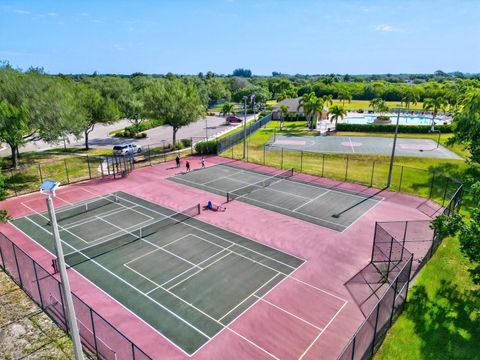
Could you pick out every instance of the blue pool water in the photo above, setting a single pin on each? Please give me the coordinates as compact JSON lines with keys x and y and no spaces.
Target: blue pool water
{"x":404,"y":120}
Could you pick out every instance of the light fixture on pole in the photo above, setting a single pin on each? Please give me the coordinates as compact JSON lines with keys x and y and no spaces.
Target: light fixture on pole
{"x":390,"y":170}
{"x":48,"y":189}
{"x":244,"y":127}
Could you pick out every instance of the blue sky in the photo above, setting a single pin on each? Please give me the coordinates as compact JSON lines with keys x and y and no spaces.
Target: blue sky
{"x":298,"y":36}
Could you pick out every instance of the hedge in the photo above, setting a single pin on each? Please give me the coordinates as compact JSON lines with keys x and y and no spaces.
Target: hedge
{"x":206,"y":147}
{"x":390,"y":128}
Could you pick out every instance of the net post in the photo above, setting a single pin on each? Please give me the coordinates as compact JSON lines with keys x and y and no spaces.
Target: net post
{"x":66,"y":171}
{"x":198,"y":209}
{"x":88,"y":165}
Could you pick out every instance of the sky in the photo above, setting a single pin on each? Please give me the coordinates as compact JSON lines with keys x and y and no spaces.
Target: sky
{"x":288,"y":36}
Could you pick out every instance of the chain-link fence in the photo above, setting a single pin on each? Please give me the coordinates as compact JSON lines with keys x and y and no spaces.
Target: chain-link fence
{"x":98,"y":336}
{"x":364,"y":170}
{"x":72,"y":168}
{"x":400,"y":249}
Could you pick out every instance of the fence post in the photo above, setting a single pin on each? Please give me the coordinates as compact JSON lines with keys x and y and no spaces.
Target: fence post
{"x":247,"y":149}
{"x":281,"y":164}
{"x":375,"y":330}
{"x":323,"y":164}
{"x":404,"y":239}
{"x":66,"y":171}
{"x":149,"y":155}
{"x":393,"y":303}
{"x":445,"y":191}
{"x":431,"y":185}
{"x":13,"y":182}
{"x":67,"y":327}
{"x":373,"y":171}
{"x":89,"y":170}
{"x":38,"y":283}
{"x":374,"y":240}
{"x":346,"y":170}
{"x":191,"y":145}
{"x":16,"y":263}
{"x":93,"y":331}
{"x":409,"y":275}
{"x":301,"y":161}
{"x":401,"y":180}
{"x":389,"y":256}
{"x":40,"y":172}
{"x":353,"y":347}
{"x":264,"y":154}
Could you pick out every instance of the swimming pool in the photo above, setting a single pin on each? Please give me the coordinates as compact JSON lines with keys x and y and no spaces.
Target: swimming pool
{"x":404,"y":119}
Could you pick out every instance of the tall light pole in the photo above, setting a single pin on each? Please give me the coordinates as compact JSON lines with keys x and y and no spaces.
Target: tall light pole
{"x":390,"y":170}
{"x":244,"y":127}
{"x":206,"y":128}
{"x":48,"y":189}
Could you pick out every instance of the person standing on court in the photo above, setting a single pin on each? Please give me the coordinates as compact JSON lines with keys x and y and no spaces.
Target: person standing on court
{"x":203,"y":162}
{"x":187,"y":164}
{"x":177,"y":161}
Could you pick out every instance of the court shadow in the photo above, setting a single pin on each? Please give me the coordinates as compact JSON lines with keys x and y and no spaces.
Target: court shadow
{"x":339,"y":214}
{"x":447,"y":322}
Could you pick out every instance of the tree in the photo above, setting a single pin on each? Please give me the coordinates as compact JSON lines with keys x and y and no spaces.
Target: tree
{"x":35,"y":106}
{"x":336,"y":112}
{"x":434,"y":105}
{"x":95,"y":109}
{"x":242,"y":72}
{"x":133,"y":109}
{"x":175,"y":103}
{"x":344,"y":95}
{"x":378,"y":105}
{"x":328,"y":99}
{"x":409,"y":96}
{"x":466,"y":124}
{"x":217,"y":90}
{"x":228,"y":108}
{"x":285,"y":111}
{"x":312,"y":107}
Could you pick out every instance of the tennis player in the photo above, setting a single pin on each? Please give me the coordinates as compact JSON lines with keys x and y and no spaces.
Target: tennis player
{"x":188,"y":166}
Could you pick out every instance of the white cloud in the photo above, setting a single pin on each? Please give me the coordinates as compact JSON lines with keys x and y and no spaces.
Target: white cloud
{"x":386,"y":28}
{"x":84,"y":14}
{"x":22,"y":12}
{"x":52,"y":14}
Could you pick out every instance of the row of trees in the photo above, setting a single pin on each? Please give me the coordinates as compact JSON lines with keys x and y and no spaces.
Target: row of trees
{"x":35,"y":106}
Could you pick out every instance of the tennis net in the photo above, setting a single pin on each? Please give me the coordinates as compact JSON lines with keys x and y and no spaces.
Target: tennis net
{"x":88,"y":253}
{"x":235,"y":194}
{"x":86,"y":207}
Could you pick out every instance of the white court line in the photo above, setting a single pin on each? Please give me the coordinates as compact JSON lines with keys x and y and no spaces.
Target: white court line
{"x":201,"y":262}
{"x":155,"y":245}
{"x":308,"y":202}
{"x":140,"y":274}
{"x":289,"y":313}
{"x":351,"y":144}
{"x":321,"y":332}
{"x":229,"y":241}
{"x":248,"y":297}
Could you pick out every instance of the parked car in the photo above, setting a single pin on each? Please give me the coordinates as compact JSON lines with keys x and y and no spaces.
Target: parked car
{"x":126,"y":149}
{"x":233,"y":119}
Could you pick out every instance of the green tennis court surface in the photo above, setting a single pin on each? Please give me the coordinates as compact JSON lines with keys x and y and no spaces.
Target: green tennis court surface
{"x":335,"y":209}
{"x":184,"y":277}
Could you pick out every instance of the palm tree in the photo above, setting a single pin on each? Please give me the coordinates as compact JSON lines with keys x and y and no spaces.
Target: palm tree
{"x":336,"y":111}
{"x":434,"y":105}
{"x":227,"y":108}
{"x":328,"y":99}
{"x":344,"y":95}
{"x":378,"y":105}
{"x":410,"y":96}
{"x":285,"y":111}
{"x":312,"y":106}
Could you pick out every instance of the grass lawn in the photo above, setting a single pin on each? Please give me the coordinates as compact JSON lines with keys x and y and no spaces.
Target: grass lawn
{"x":364,"y":104}
{"x":442,"y":318}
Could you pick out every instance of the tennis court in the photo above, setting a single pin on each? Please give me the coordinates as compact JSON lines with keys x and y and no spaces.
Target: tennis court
{"x":333,"y":208}
{"x":187,"y":279}
{"x":362,"y":145}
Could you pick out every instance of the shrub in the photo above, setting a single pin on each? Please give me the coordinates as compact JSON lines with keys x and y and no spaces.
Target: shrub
{"x":186,"y":142}
{"x":390,"y":128}
{"x":206,"y":147}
